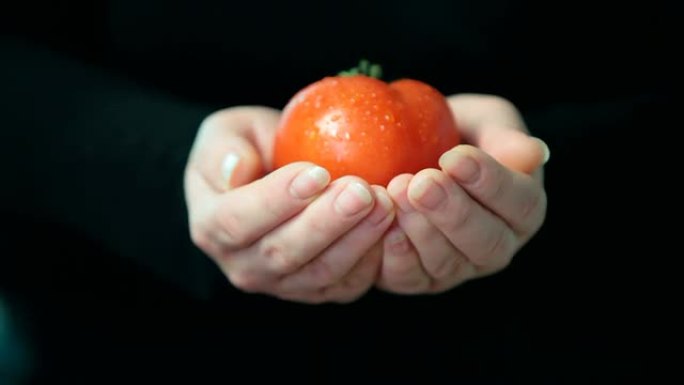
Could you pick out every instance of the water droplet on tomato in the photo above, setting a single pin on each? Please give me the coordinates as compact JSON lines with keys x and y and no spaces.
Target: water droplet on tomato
{"x":330,"y":124}
{"x":311,"y":134}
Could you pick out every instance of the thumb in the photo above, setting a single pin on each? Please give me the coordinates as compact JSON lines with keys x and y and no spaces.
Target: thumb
{"x":240,"y":163}
{"x":514,"y":149}
{"x":494,"y":125}
{"x":224,"y":155}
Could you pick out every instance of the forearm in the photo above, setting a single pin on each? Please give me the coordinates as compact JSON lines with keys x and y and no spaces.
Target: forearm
{"x":99,"y":154}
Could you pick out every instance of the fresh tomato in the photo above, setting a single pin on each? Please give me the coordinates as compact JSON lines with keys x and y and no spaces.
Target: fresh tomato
{"x":363,"y":126}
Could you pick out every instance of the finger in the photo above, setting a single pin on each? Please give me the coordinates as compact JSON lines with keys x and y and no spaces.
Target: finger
{"x":495,"y":125}
{"x":275,"y":198}
{"x":340,"y":257}
{"x":517,"y":198}
{"x":229,"y":143}
{"x":196,"y":188}
{"x":230,"y":163}
{"x":287,"y":248}
{"x":481,"y":236}
{"x":359,"y":280}
{"x":439,"y":258}
{"x":401,"y":270}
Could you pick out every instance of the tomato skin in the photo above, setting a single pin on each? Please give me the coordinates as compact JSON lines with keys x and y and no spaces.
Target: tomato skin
{"x":359,"y":125}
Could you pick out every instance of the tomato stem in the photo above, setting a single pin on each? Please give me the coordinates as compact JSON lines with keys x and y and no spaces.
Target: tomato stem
{"x":364,"y":68}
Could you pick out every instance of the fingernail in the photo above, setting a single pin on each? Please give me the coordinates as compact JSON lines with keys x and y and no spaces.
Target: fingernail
{"x":384,"y":208}
{"x":309,"y":182}
{"x":461,"y":166}
{"x":545,"y":149}
{"x":230,"y":162}
{"x":353,"y":199}
{"x":397,"y":241}
{"x":428,"y":193}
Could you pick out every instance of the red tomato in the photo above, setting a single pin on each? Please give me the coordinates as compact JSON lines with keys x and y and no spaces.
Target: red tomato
{"x":359,"y":125}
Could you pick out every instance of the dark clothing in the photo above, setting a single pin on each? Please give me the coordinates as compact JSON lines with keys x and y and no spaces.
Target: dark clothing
{"x":100,"y":107}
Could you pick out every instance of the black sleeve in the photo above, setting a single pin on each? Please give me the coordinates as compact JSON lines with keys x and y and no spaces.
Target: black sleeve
{"x":99,"y":155}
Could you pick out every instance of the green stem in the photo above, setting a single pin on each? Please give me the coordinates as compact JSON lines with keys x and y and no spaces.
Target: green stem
{"x":364,"y":68}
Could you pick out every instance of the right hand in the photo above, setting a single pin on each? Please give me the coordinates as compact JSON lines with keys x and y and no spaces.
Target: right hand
{"x":289,"y":232}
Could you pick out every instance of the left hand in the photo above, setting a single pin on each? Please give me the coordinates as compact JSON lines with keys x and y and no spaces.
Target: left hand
{"x":289,"y":233}
{"x":468,"y":219}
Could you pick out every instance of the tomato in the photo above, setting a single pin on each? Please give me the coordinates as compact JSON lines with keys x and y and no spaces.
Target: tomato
{"x":363,"y":126}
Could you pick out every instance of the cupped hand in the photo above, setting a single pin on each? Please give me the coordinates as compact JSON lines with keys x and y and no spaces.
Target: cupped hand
{"x":467,"y":219}
{"x":290,"y":232}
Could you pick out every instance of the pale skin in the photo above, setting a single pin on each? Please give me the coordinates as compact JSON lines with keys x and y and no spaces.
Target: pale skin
{"x":294,"y":234}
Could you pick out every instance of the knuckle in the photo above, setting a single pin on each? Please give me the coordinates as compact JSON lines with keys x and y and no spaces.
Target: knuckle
{"x":233,"y":233}
{"x":278,"y":257}
{"x":210,"y":243}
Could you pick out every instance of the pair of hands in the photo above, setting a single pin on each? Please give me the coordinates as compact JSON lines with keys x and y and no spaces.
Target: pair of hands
{"x":293,"y":234}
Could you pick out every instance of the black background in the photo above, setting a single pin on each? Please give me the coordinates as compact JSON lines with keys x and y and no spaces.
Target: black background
{"x":100,"y":102}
